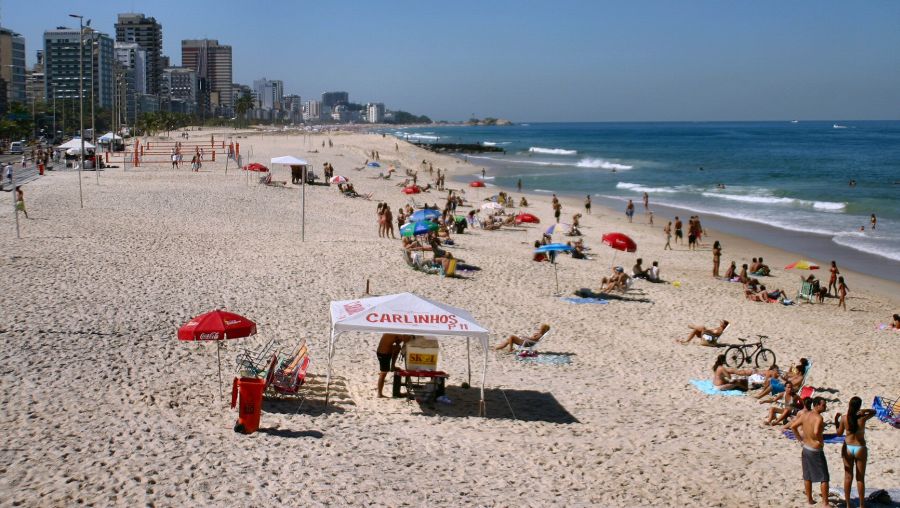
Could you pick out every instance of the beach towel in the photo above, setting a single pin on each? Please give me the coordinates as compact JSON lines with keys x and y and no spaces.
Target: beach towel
{"x":829,"y":438}
{"x":874,"y":497}
{"x":884,"y":411}
{"x":580,"y":300}
{"x":545,"y":359}
{"x":706,"y":386}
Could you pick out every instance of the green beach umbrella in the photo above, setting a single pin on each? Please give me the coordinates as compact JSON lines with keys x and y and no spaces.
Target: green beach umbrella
{"x":417,"y":228}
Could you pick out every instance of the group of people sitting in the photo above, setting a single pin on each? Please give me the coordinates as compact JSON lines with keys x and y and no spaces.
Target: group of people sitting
{"x":754,"y":290}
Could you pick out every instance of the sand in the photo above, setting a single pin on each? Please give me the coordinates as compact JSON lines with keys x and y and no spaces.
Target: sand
{"x":102,"y":405}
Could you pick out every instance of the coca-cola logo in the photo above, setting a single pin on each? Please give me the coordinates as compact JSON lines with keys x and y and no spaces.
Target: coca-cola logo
{"x":209,"y":336}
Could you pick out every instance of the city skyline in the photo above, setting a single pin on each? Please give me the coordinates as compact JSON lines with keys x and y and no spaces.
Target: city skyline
{"x":562,"y":62}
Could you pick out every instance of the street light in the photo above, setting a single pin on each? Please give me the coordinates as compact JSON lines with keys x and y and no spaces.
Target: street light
{"x":81,"y":96}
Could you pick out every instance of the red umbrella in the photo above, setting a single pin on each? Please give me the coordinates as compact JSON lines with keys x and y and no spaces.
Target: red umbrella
{"x":527,"y":217}
{"x":477,"y":183}
{"x":413,"y":189}
{"x":619,"y":241}
{"x":217,"y":325}
{"x":255,"y":166}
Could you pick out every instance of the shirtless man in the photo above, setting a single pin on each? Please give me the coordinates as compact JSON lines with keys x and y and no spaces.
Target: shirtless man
{"x":809,"y":429}
{"x":775,"y":385}
{"x":387,"y":352}
{"x":699,"y":331}
{"x":778,"y":415}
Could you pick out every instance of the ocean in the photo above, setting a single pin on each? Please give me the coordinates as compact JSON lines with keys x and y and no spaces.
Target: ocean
{"x":792,"y":178}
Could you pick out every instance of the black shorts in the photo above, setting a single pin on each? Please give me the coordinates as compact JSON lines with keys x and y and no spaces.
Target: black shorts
{"x":815,"y":468}
{"x":384,"y":362}
{"x":678,"y":234}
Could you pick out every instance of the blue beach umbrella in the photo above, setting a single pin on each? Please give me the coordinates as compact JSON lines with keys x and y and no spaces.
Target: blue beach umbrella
{"x":551,"y":248}
{"x":373,"y":165}
{"x":417,"y":228}
{"x":425,"y":214}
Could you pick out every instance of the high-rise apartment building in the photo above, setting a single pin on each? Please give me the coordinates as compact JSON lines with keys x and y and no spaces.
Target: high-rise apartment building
{"x":269,"y":93}
{"x":12,"y":65}
{"x":375,"y":112}
{"x":34,"y":81}
{"x":61,"y":61}
{"x":133,"y":58}
{"x":179,"y":88}
{"x":312,"y":111}
{"x":332,"y":99}
{"x":139,"y":29}
{"x":212,"y":62}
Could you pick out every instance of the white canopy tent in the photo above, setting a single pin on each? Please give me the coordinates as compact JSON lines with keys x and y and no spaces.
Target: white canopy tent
{"x":409,"y":314}
{"x":76,"y":143}
{"x":290,"y":160}
{"x":106,"y":138}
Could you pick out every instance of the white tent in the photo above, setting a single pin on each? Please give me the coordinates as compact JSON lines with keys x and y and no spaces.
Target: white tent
{"x":108,"y":136}
{"x":76,"y":143}
{"x":290,"y":160}
{"x":404,"y":313}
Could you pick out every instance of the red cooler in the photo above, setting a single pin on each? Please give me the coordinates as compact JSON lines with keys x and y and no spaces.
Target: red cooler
{"x":251,"y":392}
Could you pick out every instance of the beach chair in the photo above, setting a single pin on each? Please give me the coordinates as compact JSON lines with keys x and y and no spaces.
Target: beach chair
{"x":253,"y":363}
{"x":887,"y":410}
{"x":808,"y":291}
{"x":528,"y":348}
{"x":711,"y":339}
{"x":287,"y":376}
{"x":273,"y":183}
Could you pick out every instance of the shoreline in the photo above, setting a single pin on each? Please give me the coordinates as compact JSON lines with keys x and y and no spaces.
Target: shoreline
{"x":766,"y":237}
{"x":885,"y":287}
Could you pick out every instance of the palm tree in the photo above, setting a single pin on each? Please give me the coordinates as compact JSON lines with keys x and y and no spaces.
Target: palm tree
{"x":243,"y":104}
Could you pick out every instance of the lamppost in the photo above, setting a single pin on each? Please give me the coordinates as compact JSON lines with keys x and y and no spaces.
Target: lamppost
{"x":93,"y":124}
{"x":81,"y":96}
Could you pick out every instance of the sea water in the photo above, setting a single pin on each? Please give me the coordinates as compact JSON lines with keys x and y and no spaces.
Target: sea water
{"x":791,"y":176}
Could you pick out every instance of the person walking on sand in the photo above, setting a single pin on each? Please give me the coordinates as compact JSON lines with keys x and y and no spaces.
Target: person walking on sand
{"x":557,"y":211}
{"x":854,"y":451}
{"x":646,"y":202}
{"x":20,"y":201}
{"x":842,"y":293}
{"x":717,"y":256}
{"x":668,"y":231}
{"x":629,"y":210}
{"x":679,"y":235}
{"x":809,"y":427}
{"x":587,"y":204}
{"x":388,"y":221}
{"x":832,"y":280}
{"x":482,"y":173}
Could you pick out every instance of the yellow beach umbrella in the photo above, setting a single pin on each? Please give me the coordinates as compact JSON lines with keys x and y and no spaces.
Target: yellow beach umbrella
{"x":802,"y":265}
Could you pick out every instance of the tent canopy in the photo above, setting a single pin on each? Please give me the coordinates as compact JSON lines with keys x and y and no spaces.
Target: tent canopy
{"x":289,"y":160}
{"x":408,"y":314}
{"x":75,"y":143}
{"x":108,"y":136}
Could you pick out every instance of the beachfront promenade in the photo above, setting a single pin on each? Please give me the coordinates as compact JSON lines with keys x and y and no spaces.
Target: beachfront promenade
{"x":102,"y":404}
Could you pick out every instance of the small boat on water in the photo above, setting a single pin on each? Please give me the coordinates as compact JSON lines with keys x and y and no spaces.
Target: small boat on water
{"x":836,"y":126}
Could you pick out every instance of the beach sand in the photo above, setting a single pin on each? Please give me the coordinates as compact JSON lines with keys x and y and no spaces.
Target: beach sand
{"x":102,"y":405}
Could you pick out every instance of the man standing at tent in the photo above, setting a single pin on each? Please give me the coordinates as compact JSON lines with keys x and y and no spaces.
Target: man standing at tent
{"x":387,"y":352}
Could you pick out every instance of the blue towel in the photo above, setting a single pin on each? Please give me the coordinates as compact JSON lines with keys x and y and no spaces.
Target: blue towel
{"x":706,"y":386}
{"x":573,"y":299}
{"x":829,"y":438}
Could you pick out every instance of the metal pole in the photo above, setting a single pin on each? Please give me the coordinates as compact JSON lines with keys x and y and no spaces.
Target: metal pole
{"x":93,"y":125}
{"x":12,"y":182}
{"x":303,"y":206}
{"x":80,"y":99}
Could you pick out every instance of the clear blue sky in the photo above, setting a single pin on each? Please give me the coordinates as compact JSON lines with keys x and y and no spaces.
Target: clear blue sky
{"x":543,"y":61}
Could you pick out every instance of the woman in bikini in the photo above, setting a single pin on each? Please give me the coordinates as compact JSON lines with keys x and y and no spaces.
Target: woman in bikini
{"x":832,"y":282}
{"x":515,"y":340}
{"x":854,"y":451}
{"x":730,"y":273}
{"x":842,"y":293}
{"x":717,"y":256}
{"x":722,"y":376}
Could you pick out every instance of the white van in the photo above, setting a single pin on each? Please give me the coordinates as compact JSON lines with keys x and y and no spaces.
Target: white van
{"x":16,"y":147}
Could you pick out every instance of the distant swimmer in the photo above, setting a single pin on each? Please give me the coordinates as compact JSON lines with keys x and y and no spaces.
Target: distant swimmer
{"x":873,"y":221}
{"x":852,"y":183}
{"x":700,"y":168}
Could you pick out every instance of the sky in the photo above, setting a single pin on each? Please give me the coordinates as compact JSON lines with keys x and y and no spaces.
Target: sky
{"x":542,"y":60}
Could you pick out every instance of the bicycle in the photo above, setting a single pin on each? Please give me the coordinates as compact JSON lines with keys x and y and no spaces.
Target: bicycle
{"x":738,"y":355}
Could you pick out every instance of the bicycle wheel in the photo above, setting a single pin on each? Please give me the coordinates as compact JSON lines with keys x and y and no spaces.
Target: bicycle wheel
{"x":734,"y":357}
{"x":765,"y":358}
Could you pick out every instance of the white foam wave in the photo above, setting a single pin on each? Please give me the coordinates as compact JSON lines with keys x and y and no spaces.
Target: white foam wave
{"x":640,"y":188}
{"x":836,"y":126}
{"x":552,"y":151}
{"x":422,"y":136}
{"x":852,"y":241}
{"x":545,"y":191}
{"x":489,"y":143}
{"x":828,"y":206}
{"x":602,"y":164}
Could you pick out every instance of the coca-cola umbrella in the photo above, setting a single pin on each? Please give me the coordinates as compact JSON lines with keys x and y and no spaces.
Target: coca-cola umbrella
{"x":255,"y":166}
{"x":217,"y":325}
{"x":619,"y":241}
{"x":476,"y":183}
{"x":527,"y":217}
